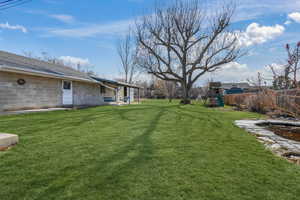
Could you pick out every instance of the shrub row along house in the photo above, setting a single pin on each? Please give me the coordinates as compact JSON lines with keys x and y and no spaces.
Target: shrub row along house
{"x":27,"y":83}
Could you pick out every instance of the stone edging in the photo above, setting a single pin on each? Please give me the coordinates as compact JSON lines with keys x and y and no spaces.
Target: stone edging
{"x":278,"y":145}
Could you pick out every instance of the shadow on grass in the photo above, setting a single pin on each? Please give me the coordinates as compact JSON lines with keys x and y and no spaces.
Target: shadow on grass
{"x":197,"y":113}
{"x":120,"y":111}
{"x":141,"y":147}
{"x":106,"y":173}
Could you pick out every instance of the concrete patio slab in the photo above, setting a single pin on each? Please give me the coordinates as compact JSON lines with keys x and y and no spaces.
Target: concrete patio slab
{"x":32,"y":111}
{"x":7,"y":140}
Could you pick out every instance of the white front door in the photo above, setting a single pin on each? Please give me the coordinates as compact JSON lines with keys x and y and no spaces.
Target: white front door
{"x":67,"y":93}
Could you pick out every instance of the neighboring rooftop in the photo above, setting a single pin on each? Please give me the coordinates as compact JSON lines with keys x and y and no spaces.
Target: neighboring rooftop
{"x":228,"y":86}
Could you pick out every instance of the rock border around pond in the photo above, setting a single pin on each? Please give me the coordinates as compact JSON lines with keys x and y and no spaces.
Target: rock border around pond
{"x":286,"y":148}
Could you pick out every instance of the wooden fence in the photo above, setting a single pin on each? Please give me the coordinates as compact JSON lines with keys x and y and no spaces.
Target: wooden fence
{"x":236,"y":99}
{"x":289,"y":100}
{"x":285,"y":101}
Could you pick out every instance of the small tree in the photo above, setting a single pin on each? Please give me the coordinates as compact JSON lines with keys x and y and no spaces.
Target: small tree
{"x":127,"y":53}
{"x":165,"y":89}
{"x":181,"y":42}
{"x":170,"y":89}
{"x":292,"y":62}
{"x":204,"y":93}
{"x":286,"y":78}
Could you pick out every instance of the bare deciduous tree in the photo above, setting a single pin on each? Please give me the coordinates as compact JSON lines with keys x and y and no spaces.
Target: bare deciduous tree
{"x":182,"y":42}
{"x":166,"y":88}
{"x":286,"y":76}
{"x":293,"y":62}
{"x":127,"y":53}
{"x":204,"y":92}
{"x":46,"y":57}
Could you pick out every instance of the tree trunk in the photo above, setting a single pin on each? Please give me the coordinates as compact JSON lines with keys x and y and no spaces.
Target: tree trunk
{"x":295,"y":78}
{"x":185,"y":96}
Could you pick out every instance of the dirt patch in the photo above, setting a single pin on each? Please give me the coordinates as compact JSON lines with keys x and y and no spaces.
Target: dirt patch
{"x":4,"y":148}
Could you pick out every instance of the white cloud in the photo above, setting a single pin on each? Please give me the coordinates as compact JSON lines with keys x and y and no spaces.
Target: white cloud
{"x":277,"y":67}
{"x":75,"y":61}
{"x":287,"y":22}
{"x":60,"y":17}
{"x":231,"y":72}
{"x":295,"y":16}
{"x":63,"y":18}
{"x":13,"y":27}
{"x":237,"y":72}
{"x":114,"y":28}
{"x":257,"y":34}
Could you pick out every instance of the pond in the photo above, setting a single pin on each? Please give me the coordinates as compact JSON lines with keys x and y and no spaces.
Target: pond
{"x":281,"y":137}
{"x":288,"y":131}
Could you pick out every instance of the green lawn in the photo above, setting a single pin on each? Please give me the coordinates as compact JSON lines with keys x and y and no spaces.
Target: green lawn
{"x":151,"y":151}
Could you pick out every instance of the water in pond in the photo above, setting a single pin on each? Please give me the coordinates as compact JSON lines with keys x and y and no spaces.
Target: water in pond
{"x":286,"y":131}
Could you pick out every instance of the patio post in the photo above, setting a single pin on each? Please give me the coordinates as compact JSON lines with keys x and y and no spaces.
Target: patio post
{"x":138,"y":95}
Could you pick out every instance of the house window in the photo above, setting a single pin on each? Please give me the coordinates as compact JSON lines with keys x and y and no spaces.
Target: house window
{"x":102,"y":89}
{"x":67,"y":85}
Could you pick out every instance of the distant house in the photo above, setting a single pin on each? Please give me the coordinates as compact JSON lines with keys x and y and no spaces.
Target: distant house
{"x":27,"y":83}
{"x":235,"y":88}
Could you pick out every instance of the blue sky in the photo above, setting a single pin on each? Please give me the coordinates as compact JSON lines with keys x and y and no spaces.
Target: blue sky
{"x":87,"y":31}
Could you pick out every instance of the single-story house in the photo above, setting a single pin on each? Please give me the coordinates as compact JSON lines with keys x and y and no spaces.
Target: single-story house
{"x":27,"y":83}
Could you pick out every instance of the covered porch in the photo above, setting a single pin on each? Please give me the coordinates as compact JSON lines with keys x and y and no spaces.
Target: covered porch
{"x":118,"y":92}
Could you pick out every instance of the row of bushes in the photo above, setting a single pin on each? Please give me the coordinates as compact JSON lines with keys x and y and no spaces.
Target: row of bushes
{"x":281,"y":102}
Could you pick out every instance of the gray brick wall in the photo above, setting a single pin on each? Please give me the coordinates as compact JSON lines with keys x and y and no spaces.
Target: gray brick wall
{"x":38,"y":92}
{"x":86,"y":94}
